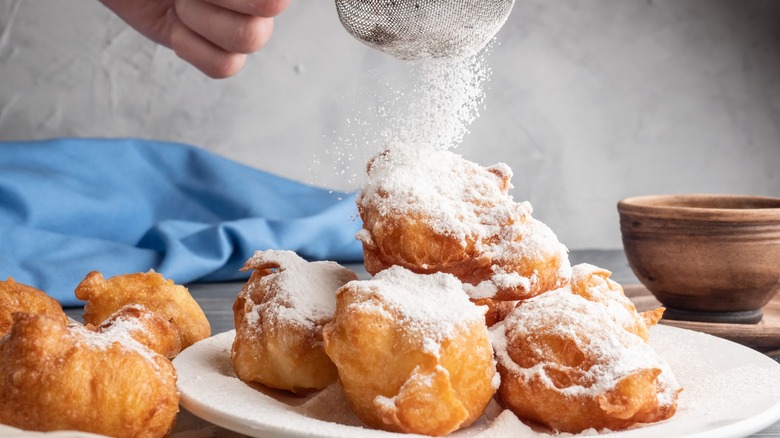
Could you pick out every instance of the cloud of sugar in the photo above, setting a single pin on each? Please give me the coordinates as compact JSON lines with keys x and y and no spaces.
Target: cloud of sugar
{"x":429,"y":104}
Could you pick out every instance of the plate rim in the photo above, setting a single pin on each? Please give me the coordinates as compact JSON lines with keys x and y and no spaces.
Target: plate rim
{"x":233,"y":422}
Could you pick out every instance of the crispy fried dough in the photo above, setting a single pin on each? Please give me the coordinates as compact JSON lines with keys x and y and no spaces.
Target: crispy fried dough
{"x":576,"y":358}
{"x":170,"y":301}
{"x":413,"y":354}
{"x":279,"y":315}
{"x":433,"y":211}
{"x":56,"y":377}
{"x":18,"y":297}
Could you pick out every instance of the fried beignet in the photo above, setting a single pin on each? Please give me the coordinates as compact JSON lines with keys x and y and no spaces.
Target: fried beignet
{"x":56,"y":377}
{"x":412,"y":352}
{"x":279,"y":315}
{"x":145,"y":327}
{"x":18,"y":297}
{"x":496,"y":310}
{"x":433,"y":211}
{"x":565,"y":362}
{"x":593,"y":284}
{"x":170,"y":301}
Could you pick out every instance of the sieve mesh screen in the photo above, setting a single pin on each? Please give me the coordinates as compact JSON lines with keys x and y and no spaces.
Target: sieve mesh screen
{"x":419,"y":29}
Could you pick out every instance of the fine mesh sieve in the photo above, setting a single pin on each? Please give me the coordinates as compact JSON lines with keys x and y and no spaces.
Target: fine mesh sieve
{"x":419,"y":29}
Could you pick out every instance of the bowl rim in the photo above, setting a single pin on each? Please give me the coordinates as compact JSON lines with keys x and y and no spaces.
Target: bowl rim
{"x":668,"y":206}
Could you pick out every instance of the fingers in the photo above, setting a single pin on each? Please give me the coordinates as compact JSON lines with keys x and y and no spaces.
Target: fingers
{"x":201,"y":53}
{"x":260,"y":8}
{"x":232,"y":31}
{"x":216,"y":35}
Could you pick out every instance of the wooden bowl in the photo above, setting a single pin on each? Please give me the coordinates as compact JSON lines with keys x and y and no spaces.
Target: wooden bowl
{"x":708,"y":258}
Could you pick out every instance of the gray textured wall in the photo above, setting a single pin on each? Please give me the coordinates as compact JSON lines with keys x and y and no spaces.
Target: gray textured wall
{"x":589,"y":101}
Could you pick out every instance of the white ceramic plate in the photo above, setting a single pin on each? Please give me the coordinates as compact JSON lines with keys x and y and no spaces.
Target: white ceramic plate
{"x":11,"y":432}
{"x":729,"y":391}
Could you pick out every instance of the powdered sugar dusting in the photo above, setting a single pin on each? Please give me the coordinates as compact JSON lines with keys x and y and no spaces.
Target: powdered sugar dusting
{"x":600,"y":288}
{"x":120,"y":333}
{"x":745,"y":378}
{"x":432,"y":306}
{"x":297,"y":292}
{"x":530,"y":237}
{"x":485,"y":289}
{"x":464,"y":201}
{"x":458,"y":197}
{"x":617,"y":353}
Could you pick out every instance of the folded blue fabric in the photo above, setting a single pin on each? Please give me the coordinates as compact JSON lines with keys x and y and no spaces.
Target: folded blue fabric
{"x":71,"y":206}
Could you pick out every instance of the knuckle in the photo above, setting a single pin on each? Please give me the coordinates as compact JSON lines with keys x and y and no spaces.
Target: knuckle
{"x":182,"y":7}
{"x":251,"y":35}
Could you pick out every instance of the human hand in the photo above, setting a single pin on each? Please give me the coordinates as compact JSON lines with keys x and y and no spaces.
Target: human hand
{"x":213,"y":35}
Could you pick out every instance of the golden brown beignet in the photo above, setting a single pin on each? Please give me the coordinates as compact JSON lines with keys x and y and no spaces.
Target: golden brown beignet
{"x":145,"y":327}
{"x":18,"y":297}
{"x":433,"y":211}
{"x":496,"y":310}
{"x":56,"y":377}
{"x":168,"y":300}
{"x":569,"y":364}
{"x":593,"y":284}
{"x":412,"y":352}
{"x":279,"y":315}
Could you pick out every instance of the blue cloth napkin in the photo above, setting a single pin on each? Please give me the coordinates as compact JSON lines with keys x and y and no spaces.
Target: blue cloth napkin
{"x":71,"y":206}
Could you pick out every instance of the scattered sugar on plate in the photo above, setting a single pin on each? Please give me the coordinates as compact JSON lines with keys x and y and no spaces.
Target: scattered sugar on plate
{"x":698,"y":361}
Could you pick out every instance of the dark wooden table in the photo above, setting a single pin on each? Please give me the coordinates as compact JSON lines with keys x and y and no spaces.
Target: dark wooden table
{"x":216,"y":299}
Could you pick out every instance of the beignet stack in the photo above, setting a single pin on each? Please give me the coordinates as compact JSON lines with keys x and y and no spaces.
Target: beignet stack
{"x":452,"y":254}
{"x":432,"y":211}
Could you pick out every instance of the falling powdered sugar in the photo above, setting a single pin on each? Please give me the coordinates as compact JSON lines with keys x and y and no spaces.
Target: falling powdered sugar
{"x":443,"y":101}
{"x":430,"y":104}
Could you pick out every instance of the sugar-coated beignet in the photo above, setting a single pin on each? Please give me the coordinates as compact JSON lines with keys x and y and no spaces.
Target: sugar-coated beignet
{"x":433,"y":211}
{"x":593,"y":284}
{"x":567,"y":363}
{"x":56,"y":377}
{"x":163,"y":297}
{"x":279,"y":315}
{"x":143,"y":326}
{"x":413,"y":353}
{"x":496,"y":310}
{"x":18,"y":297}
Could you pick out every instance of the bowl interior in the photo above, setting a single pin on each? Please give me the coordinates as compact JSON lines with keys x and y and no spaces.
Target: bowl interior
{"x":717,"y":202}
{"x":704,"y":207}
